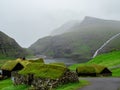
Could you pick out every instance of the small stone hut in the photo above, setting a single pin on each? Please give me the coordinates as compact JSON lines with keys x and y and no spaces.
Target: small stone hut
{"x":93,"y":70}
{"x":16,"y":65}
{"x":10,"y":66}
{"x":45,"y":76}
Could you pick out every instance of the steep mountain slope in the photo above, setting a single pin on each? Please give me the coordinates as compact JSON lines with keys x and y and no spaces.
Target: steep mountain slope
{"x":9,"y":47}
{"x":83,"y":40}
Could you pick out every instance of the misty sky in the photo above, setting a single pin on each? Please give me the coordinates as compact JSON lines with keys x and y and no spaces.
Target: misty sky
{"x":28,"y":20}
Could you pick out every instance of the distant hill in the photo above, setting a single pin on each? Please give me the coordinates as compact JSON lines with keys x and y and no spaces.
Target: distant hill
{"x":82,"y":41}
{"x":9,"y":47}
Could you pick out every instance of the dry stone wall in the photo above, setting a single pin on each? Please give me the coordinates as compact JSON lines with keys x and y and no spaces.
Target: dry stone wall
{"x":44,"y":83}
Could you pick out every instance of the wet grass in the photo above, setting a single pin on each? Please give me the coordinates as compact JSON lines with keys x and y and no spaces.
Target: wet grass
{"x":8,"y":85}
{"x":5,"y":83}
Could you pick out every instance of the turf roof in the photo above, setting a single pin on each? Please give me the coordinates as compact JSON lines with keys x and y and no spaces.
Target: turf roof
{"x":40,"y":60}
{"x":44,"y":70}
{"x":90,"y":68}
{"x":9,"y":65}
{"x":58,"y":63}
{"x":22,"y":62}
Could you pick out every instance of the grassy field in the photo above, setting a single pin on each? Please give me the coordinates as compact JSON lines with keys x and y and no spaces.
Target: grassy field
{"x":5,"y":83}
{"x":8,"y":85}
{"x":109,"y":60}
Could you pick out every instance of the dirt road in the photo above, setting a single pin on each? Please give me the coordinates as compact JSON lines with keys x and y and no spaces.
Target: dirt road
{"x":102,"y":84}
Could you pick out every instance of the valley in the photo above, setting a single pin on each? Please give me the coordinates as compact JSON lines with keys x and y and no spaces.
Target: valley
{"x":91,"y":42}
{"x":59,"y":44}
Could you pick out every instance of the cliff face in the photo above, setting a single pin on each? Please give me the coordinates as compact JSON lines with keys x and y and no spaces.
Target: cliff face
{"x":9,"y":47}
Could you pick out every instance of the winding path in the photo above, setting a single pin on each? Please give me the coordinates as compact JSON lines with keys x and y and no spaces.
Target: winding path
{"x":102,"y":84}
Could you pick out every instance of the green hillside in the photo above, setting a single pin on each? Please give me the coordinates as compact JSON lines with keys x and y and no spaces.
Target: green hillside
{"x":9,"y":47}
{"x":82,"y":40}
{"x":110,"y":60}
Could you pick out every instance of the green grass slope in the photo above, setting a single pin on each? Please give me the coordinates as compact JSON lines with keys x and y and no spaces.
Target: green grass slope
{"x":8,"y":85}
{"x":110,"y":60}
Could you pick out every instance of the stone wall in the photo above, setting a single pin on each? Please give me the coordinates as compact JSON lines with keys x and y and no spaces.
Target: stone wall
{"x":19,"y":79}
{"x":45,"y":83}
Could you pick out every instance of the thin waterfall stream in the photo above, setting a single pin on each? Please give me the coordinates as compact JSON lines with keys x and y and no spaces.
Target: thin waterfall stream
{"x":95,"y":54}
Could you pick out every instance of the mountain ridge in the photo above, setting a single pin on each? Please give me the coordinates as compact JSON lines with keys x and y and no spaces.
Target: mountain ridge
{"x":83,"y":40}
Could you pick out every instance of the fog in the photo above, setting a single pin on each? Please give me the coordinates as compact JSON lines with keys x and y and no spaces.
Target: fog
{"x":28,"y":20}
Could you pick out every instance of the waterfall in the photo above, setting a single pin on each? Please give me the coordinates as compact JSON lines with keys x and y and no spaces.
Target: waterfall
{"x":95,"y":54}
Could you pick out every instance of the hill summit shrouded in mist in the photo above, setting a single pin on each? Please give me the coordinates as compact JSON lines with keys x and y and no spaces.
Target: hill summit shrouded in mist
{"x":65,"y":28}
{"x":9,"y":47}
{"x":82,"y":41}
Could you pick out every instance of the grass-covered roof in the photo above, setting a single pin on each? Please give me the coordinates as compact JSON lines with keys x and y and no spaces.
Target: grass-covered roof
{"x":22,"y":62}
{"x":40,"y":60}
{"x":58,"y":63}
{"x":44,"y":70}
{"x":90,"y":68}
{"x":9,"y":65}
